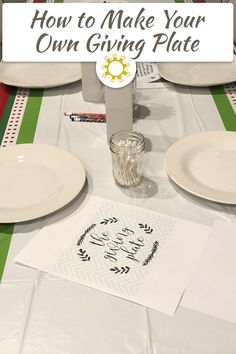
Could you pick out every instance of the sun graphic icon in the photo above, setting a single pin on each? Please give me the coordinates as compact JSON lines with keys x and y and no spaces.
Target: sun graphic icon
{"x":116,"y":68}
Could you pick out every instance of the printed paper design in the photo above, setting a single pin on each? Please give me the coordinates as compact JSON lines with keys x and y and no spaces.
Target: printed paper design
{"x":117,"y":248}
{"x":125,"y":251}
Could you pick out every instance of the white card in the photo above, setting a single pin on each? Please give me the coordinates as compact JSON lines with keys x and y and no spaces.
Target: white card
{"x":148,"y":76}
{"x":147,"y":72}
{"x":122,"y":250}
{"x":212,"y":289}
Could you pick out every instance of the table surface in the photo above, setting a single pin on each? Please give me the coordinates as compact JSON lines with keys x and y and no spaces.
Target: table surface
{"x":41,"y":314}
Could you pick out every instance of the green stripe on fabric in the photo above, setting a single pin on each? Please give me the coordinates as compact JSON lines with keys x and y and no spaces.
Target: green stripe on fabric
{"x":26,"y":135}
{"x":30,"y":117}
{"x":179,"y":1}
{"x":7,"y":112}
{"x":58,"y":1}
{"x":224,"y":107}
{"x":6,"y":231}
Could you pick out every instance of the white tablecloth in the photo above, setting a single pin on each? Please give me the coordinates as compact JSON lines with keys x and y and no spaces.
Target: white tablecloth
{"x":43,"y":314}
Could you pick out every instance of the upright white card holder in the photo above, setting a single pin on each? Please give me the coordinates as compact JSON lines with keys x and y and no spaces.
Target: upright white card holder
{"x":119,"y":109}
{"x":118,"y":101}
{"x":92,"y":88}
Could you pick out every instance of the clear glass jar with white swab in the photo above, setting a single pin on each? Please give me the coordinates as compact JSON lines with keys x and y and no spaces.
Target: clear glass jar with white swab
{"x":127,"y":149}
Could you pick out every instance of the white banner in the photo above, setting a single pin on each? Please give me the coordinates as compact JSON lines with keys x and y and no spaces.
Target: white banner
{"x":143,"y":32}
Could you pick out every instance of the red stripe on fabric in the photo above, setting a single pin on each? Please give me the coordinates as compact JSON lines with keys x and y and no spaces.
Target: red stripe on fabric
{"x":4,"y":93}
{"x":37,"y":1}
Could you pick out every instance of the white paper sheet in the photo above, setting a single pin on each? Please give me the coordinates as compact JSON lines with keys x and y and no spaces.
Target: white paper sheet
{"x":148,"y":76}
{"x":212,"y":288}
{"x":122,"y":250}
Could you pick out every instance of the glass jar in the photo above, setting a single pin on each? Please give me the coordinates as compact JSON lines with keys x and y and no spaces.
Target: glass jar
{"x":127,"y":149}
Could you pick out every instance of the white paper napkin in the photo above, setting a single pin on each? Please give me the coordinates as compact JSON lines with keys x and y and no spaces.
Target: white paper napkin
{"x":212,"y":289}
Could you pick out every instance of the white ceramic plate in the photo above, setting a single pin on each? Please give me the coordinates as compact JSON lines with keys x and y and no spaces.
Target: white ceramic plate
{"x":39,"y":74}
{"x":36,"y":180}
{"x":198,"y":74}
{"x":205,"y":165}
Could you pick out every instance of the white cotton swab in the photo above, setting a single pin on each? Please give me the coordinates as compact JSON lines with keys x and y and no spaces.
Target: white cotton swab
{"x":125,"y":164}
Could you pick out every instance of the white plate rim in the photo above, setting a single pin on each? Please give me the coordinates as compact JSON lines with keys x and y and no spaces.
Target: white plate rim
{"x":175,"y":80}
{"x":71,"y":191}
{"x":170,"y":156}
{"x":56,"y":83}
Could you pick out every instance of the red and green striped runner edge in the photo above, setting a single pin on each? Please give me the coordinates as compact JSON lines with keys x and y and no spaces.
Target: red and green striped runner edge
{"x":8,"y":95}
{"x":224,"y":107}
{"x":25,"y":135}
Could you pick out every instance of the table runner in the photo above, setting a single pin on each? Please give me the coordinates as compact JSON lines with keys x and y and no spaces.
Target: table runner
{"x":225,"y":100}
{"x":19,"y":110}
{"x":19,"y":114}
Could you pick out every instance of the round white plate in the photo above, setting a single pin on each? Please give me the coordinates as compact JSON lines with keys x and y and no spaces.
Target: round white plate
{"x":205,"y":165}
{"x":36,"y":180}
{"x":36,"y":75}
{"x":198,"y":74}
